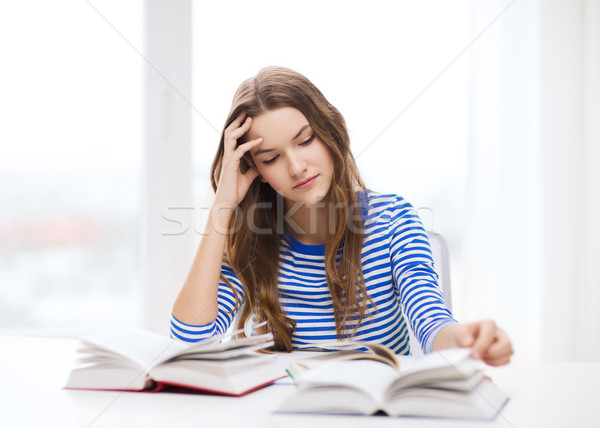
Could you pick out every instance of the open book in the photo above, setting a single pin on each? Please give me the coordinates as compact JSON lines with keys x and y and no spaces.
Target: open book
{"x":446,"y":384}
{"x":138,"y":360}
{"x":346,"y":350}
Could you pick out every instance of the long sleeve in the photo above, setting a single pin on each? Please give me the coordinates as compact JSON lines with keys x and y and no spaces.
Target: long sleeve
{"x":226,"y":311}
{"x":412,"y":266}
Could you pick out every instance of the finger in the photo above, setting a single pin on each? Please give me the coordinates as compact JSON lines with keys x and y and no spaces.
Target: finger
{"x":235,"y":123}
{"x":229,"y":144}
{"x":236,"y":133}
{"x":245,"y":147}
{"x":498,"y":361}
{"x":231,"y":134}
{"x":501,"y":347}
{"x":484,"y":337}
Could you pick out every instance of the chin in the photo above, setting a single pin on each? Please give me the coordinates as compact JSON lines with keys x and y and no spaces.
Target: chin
{"x":309,"y":198}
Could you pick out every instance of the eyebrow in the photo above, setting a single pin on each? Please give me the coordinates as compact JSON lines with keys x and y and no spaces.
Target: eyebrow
{"x":258,"y":152}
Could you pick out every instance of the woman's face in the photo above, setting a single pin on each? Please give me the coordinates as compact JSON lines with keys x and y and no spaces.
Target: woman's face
{"x":291,"y":158}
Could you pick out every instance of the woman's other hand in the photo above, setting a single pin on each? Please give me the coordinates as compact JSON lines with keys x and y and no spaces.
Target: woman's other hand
{"x":489,"y":343}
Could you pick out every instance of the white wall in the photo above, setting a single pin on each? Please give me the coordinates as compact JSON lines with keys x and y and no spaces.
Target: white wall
{"x":533,"y":182}
{"x":570,"y":132}
{"x":504,"y":187}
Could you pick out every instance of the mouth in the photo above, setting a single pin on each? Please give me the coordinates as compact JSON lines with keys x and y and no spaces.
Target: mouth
{"x":306,"y":183}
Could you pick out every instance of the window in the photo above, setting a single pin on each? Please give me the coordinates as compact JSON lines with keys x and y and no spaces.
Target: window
{"x":69,"y":166}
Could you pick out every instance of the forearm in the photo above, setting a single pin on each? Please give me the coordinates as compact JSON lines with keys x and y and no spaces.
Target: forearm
{"x":197,"y":301}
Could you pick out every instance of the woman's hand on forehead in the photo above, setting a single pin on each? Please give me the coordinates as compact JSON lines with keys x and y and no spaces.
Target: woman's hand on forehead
{"x":236,"y":129}
{"x":233,"y":184}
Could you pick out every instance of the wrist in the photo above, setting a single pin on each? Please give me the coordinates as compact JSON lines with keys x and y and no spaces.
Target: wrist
{"x":444,"y":338}
{"x":220,"y":218}
{"x":225,"y":198}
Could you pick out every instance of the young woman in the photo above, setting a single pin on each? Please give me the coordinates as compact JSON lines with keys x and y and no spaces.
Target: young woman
{"x":294,"y":238}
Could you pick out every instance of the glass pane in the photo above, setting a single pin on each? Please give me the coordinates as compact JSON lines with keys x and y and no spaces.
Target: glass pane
{"x":70,"y":161}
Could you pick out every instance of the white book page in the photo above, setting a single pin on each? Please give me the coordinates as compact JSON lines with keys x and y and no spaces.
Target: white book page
{"x":330,"y":400}
{"x":369,"y":376}
{"x":448,"y":357}
{"x":446,"y":365}
{"x":141,"y":347}
{"x":222,"y":355}
{"x":216,"y":347}
{"x":483,"y":403}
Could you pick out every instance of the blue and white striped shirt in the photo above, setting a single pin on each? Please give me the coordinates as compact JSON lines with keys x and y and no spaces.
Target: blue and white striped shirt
{"x":398,"y":271}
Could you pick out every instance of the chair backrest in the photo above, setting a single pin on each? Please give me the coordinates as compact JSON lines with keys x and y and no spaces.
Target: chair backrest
{"x":441,"y":264}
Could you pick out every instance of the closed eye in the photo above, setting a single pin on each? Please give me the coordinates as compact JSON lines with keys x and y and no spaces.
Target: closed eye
{"x":271,"y":160}
{"x":302,"y":144}
{"x":307,"y":141}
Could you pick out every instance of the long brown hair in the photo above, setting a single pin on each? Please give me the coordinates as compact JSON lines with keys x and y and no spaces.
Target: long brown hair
{"x":254,"y":257}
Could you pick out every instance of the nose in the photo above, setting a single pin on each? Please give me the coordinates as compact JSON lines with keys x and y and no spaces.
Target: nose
{"x":296,"y":165}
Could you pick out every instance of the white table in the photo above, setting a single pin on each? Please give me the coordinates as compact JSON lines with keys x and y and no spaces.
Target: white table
{"x":33,"y":371}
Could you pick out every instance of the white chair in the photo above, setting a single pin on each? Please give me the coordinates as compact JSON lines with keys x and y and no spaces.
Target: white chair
{"x":441,"y":264}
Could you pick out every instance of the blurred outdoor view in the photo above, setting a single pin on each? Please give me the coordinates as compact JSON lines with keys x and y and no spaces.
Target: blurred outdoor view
{"x":69,"y":250}
{"x":70,"y":156}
